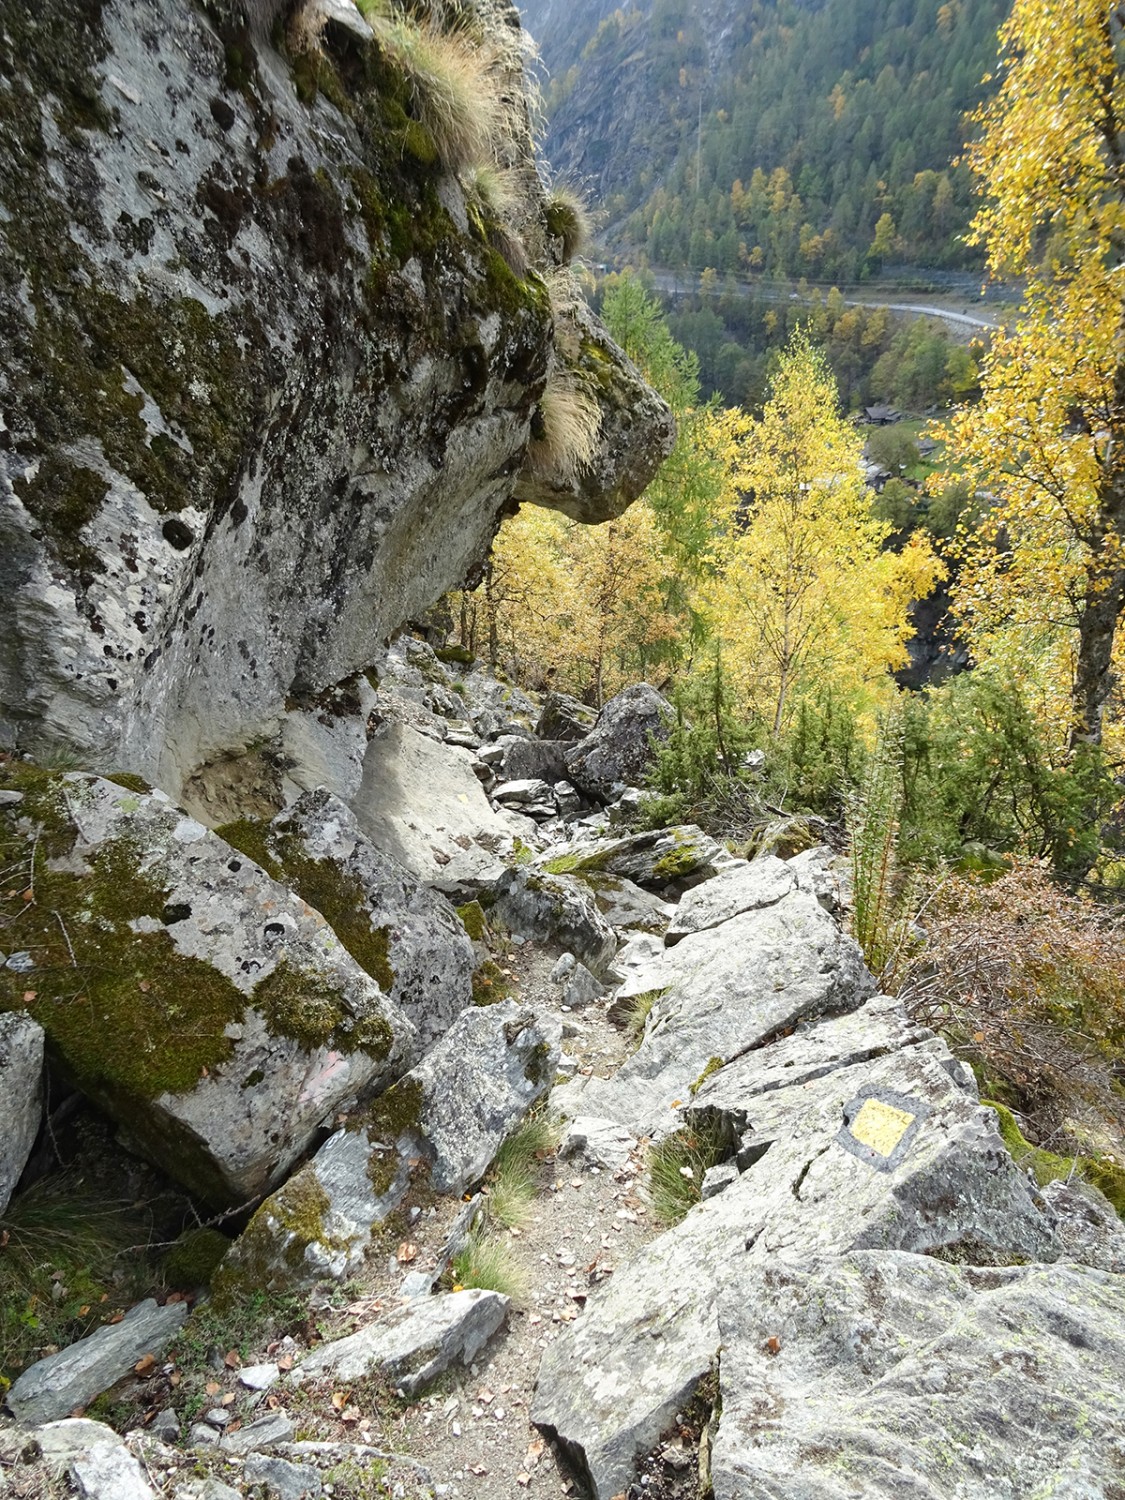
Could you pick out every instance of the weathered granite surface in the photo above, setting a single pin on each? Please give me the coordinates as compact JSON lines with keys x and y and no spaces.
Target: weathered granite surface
{"x":268,"y":382}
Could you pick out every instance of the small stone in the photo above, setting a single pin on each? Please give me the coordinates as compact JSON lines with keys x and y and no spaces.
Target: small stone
{"x":265,"y":1432}
{"x":108,"y":1471}
{"x":564,"y":967}
{"x":165,"y":1425}
{"x":258,"y":1377}
{"x":202,"y":1436}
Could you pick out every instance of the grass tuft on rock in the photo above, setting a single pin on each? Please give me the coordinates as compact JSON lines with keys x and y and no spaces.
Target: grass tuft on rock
{"x":514,"y":1178}
{"x":454,"y":92}
{"x":675,"y":1170}
{"x":564,"y":430}
{"x":568,"y":219}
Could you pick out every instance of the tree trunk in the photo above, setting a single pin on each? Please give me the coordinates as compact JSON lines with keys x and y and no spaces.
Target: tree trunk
{"x":1093,"y":677}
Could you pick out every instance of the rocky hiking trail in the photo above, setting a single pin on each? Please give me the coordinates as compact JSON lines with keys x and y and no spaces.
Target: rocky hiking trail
{"x":863,"y":1295}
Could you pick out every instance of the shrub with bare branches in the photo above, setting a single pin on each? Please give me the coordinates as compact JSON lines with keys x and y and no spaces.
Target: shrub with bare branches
{"x":1029,"y":983}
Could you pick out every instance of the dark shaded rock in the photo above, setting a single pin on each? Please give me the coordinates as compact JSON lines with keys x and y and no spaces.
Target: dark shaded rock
{"x":620,"y":746}
{"x":564,"y":718}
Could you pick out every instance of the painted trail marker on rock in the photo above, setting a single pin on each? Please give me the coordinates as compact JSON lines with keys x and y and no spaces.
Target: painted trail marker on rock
{"x":880,"y":1125}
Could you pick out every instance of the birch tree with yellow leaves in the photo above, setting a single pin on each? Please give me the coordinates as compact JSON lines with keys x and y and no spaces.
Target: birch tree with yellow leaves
{"x":1044,"y":577}
{"x":804,"y":599}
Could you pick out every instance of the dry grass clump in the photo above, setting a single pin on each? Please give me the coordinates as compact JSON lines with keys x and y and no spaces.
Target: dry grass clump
{"x":455,"y":93}
{"x":495,"y":195}
{"x":1029,"y":984}
{"x":676,"y":1166}
{"x":565,"y":429}
{"x":568,"y":220}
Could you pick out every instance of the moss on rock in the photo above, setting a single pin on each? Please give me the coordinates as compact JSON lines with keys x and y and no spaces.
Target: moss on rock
{"x":124,"y":1011}
{"x":305,"y":1006}
{"x":473,"y":920}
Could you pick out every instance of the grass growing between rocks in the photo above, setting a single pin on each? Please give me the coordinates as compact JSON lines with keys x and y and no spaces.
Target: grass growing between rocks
{"x":514,"y":1178}
{"x":675,"y":1171}
{"x":64,"y":1270}
{"x":487,"y":1262}
{"x":636,"y":1013}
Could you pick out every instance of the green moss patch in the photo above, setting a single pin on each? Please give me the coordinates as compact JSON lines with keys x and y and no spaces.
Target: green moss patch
{"x":305,"y":1006}
{"x":192,"y":1261}
{"x":473,"y":920}
{"x":338,"y":896}
{"x":490,"y":986}
{"x":249,"y":836}
{"x":1104,"y":1173}
{"x":124,"y":1011}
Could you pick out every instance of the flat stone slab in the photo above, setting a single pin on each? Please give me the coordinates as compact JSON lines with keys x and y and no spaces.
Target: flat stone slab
{"x":414,"y":1344}
{"x":764,"y":882}
{"x":56,"y":1385}
{"x":882,"y":1375}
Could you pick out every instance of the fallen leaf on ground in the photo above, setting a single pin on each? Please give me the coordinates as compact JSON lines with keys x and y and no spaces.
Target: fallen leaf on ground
{"x":407,"y":1252}
{"x":144,"y":1364}
{"x":232,"y":1359}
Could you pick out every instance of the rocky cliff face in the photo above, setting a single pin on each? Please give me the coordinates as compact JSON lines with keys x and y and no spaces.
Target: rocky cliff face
{"x":269,"y":381}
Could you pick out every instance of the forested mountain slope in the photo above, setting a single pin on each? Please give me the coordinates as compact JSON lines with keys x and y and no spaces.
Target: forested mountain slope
{"x":790,"y":137}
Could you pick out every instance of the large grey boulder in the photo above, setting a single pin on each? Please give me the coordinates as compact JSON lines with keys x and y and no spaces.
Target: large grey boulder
{"x":448,"y":1116}
{"x":620,"y":746}
{"x":54,"y":1386}
{"x":413,"y":1344}
{"x":502,"y":1058}
{"x":215,"y":1015}
{"x":422,"y":803}
{"x":923,"y":1170}
{"x":496,"y":708}
{"x":718,"y":993}
{"x":664,"y":860}
{"x":411,"y":935}
{"x":896,"y":1375}
{"x":563,"y":718}
{"x":556,"y":910}
{"x":268,"y":390}
{"x":21,"y":1096}
{"x":523,"y":757}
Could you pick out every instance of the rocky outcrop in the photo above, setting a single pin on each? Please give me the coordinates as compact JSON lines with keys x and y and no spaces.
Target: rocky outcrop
{"x":721,"y":992}
{"x":620,"y":747}
{"x":206,"y":1007}
{"x":269,"y":381}
{"x":21,"y":1096}
{"x":444,"y":1121}
{"x":410,"y":936}
{"x":856,"y":1133}
{"x":889,"y":1374}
